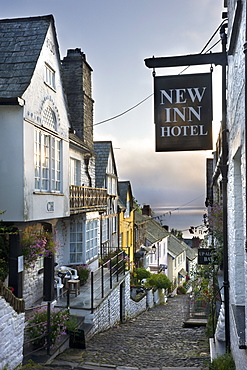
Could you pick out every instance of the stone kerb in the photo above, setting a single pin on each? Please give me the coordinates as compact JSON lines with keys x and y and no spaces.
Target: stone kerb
{"x":12,"y":335}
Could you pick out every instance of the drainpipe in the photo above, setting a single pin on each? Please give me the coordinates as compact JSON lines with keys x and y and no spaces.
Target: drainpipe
{"x":245,"y":52}
{"x":224,"y":172}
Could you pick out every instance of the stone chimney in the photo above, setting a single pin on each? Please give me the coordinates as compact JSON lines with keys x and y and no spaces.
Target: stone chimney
{"x":77,"y":82}
{"x":146,"y":210}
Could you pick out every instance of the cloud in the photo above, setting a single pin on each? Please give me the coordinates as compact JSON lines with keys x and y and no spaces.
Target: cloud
{"x":160,"y":178}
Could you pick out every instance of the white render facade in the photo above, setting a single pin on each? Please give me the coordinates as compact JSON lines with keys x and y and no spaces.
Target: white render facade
{"x":37,"y":187}
{"x":236,"y":194}
{"x":236,"y":124}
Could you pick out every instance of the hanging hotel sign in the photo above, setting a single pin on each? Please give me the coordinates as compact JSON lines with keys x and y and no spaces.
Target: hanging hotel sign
{"x":183,"y":112}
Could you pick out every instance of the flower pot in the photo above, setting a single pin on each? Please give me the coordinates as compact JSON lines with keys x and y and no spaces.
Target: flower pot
{"x":77,"y":339}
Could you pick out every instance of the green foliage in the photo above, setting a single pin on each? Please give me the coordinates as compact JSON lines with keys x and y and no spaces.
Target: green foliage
{"x":4,"y":257}
{"x":83,"y":273}
{"x":110,"y":255}
{"x":136,"y":205}
{"x":214,"y":223}
{"x":31,"y":365}
{"x":37,"y":326}
{"x":224,"y":362}
{"x":210,"y":327}
{"x":159,"y":281}
{"x":141,"y":273}
{"x":4,"y":249}
{"x":177,"y":233}
{"x":181,"y":290}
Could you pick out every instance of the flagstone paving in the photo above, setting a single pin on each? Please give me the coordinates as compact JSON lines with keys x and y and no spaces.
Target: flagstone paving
{"x":154,"y":339}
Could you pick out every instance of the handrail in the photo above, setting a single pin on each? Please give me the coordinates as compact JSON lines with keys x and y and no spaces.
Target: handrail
{"x":18,"y":304}
{"x":104,"y":276}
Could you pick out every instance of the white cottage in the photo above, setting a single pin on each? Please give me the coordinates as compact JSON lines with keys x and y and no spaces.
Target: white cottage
{"x":231,"y":328}
{"x":34,"y":138}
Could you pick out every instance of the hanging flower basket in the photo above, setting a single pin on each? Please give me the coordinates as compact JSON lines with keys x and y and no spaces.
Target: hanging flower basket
{"x":36,"y":245}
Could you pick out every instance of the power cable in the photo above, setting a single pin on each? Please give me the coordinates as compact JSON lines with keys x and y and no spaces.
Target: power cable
{"x":142,"y":101}
{"x":176,"y":209}
{"x":121,"y":114}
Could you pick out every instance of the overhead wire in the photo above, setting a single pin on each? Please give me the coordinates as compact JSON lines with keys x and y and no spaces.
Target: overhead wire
{"x":178,"y":208}
{"x":142,"y":101}
{"x":126,"y":111}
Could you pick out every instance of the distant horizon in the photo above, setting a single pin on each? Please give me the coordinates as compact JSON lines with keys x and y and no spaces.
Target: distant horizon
{"x":182,"y":219}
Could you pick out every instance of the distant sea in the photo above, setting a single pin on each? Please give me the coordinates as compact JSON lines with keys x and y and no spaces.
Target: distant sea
{"x":182,"y":219}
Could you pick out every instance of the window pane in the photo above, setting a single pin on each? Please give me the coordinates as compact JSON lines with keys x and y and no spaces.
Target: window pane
{"x":72,"y":258}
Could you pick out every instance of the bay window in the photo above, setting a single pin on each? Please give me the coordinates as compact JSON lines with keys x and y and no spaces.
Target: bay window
{"x":47,"y":162}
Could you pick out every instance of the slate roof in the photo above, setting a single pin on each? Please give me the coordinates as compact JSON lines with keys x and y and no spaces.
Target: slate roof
{"x":123,"y":187}
{"x":191,"y":253}
{"x":21,"y":41}
{"x":102,"y":150}
{"x":154,"y":231}
{"x":76,"y":140}
{"x":175,"y":247}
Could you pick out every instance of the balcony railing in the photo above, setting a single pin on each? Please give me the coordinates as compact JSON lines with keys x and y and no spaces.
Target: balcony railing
{"x":84,"y":198}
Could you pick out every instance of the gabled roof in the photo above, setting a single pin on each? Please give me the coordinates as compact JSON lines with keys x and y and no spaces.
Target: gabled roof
{"x":21,"y":41}
{"x":175,"y":247}
{"x":123,"y":188}
{"x":191,"y":253}
{"x":103,"y":149}
{"x":154,"y":231}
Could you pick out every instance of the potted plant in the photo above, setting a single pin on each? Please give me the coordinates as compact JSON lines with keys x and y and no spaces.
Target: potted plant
{"x":83,"y":273}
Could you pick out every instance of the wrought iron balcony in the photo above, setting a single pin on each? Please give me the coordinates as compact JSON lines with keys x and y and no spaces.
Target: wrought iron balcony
{"x":84,"y":198}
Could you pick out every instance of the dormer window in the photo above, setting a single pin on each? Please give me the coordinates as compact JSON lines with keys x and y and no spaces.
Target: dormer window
{"x":50,"y":77}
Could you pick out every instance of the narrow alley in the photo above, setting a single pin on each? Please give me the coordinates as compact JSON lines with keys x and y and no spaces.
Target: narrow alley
{"x":154,"y":339}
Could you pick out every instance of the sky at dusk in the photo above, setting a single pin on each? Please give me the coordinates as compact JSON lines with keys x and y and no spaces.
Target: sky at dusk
{"x":116,"y":37}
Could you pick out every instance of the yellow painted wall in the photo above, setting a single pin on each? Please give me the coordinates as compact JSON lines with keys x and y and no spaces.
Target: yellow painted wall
{"x":126,"y":233}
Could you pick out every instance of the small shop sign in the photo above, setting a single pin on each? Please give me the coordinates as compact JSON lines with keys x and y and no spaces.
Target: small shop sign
{"x":205,"y":256}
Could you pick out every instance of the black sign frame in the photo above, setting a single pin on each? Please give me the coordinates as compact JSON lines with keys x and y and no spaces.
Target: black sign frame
{"x":205,"y":256}
{"x":183,"y":112}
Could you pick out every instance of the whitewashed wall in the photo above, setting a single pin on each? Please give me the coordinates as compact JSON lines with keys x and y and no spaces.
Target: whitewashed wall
{"x":11,"y":336}
{"x":236,"y":193}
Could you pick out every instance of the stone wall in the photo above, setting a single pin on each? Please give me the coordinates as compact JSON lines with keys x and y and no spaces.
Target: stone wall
{"x":76,"y":74}
{"x":11,"y":336}
{"x":33,"y":285}
{"x":107,"y":314}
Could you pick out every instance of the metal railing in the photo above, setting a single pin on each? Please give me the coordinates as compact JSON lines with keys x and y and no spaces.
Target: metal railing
{"x":196,"y":307}
{"x":84,"y":197}
{"x":103,"y":278}
{"x":101,"y":281}
{"x":38,"y":327}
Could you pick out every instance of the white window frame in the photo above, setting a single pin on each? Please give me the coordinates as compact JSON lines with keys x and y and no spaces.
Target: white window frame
{"x":49,"y":77}
{"x":92,"y":240}
{"x":47,"y":162}
{"x":105,"y":230}
{"x":75,"y":171}
{"x":76,"y":255}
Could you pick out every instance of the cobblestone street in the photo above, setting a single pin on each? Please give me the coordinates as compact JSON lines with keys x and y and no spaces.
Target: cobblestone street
{"x":154,"y":339}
